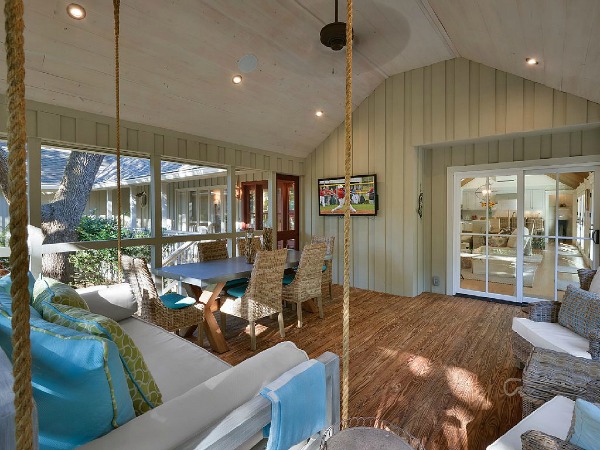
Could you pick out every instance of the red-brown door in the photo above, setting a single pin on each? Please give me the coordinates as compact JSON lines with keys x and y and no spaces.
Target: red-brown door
{"x":255,"y":204}
{"x":287,"y":212}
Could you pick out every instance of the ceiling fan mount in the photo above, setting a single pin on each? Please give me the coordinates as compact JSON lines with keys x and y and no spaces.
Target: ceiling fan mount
{"x":333,"y":35}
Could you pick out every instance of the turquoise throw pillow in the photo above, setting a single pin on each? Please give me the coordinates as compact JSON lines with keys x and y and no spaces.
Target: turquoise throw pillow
{"x":6,"y":283}
{"x":173,"y":300}
{"x":237,"y":291}
{"x":78,"y":383}
{"x":585,"y":429}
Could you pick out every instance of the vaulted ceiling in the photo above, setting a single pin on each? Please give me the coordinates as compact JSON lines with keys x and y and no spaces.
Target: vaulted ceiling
{"x":178,"y":58}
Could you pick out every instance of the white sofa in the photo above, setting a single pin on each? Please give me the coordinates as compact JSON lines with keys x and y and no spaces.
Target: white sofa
{"x":206,"y":402}
{"x":552,"y":418}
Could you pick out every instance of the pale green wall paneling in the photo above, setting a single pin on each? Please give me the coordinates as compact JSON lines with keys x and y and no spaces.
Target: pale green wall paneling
{"x":453,"y":100}
{"x":71,"y":127}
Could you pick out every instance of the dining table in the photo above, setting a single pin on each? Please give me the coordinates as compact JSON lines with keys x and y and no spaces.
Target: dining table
{"x":204,"y":281}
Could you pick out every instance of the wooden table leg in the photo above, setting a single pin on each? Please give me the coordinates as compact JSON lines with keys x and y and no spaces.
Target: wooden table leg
{"x":208,"y":297}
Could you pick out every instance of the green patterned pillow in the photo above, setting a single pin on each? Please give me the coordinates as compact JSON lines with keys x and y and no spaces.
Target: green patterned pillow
{"x":53,"y":291}
{"x":142,"y":387}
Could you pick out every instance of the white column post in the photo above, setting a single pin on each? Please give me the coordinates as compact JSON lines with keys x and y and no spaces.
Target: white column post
{"x":132,"y":208}
{"x":109,"y":203}
{"x":156,"y":215}
{"x":34,"y":187}
{"x":231,"y":209}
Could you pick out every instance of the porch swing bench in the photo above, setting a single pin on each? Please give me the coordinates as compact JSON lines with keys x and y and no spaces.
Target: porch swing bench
{"x":207,"y":404}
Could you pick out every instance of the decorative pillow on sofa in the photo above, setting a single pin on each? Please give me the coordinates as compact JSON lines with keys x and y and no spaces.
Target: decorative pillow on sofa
{"x":6,"y":283}
{"x":595,"y":284}
{"x":78,"y":382}
{"x":53,"y":291}
{"x":585,"y":427}
{"x":580,"y":311}
{"x":115,"y":301}
{"x":142,"y":387}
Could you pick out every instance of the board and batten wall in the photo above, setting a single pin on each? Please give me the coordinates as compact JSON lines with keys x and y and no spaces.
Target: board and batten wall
{"x":56,"y":125}
{"x":436,"y":162}
{"x":449,"y":102}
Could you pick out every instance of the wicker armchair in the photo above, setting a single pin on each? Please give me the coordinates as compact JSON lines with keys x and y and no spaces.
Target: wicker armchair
{"x":537,"y":440}
{"x":547,"y":311}
{"x":262,"y":297}
{"x":150,"y":307}
{"x":306,"y":285}
{"x":327,"y":275}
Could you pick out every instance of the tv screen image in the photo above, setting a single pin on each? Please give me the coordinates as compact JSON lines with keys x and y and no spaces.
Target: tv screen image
{"x":363,"y":196}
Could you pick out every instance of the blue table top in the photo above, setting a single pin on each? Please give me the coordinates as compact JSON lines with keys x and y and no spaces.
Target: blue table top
{"x":212,"y":272}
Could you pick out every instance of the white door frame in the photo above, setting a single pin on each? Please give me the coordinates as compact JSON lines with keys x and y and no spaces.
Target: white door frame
{"x":513,"y":168}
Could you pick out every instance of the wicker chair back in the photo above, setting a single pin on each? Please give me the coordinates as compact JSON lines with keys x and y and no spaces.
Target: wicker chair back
{"x":211,"y":251}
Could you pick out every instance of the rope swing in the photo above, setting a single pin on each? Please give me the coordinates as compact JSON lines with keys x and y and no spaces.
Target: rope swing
{"x":19,"y":218}
{"x":116,"y":11}
{"x":348,"y":172}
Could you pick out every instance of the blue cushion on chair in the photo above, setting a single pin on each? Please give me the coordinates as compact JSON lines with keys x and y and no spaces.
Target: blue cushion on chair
{"x":176,"y":301}
{"x":288,"y":278}
{"x":585,"y":427}
{"x":237,"y":291}
{"x":78,"y":382}
{"x":236,"y":282}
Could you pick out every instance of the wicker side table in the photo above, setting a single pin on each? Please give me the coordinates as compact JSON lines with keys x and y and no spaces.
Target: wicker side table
{"x":549,"y":373}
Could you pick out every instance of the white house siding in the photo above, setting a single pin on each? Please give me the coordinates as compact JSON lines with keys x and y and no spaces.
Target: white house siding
{"x":455,"y":100}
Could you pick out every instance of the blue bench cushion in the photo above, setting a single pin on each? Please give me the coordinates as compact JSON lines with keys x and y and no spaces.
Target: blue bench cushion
{"x":237,"y":291}
{"x":176,"y":301}
{"x":288,"y":278}
{"x":78,"y":382}
{"x":143,"y":389}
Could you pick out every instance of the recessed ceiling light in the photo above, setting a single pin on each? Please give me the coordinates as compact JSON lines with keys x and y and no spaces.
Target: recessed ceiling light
{"x":76,"y":11}
{"x":319,"y":113}
{"x":237,"y":79}
{"x":531,"y":61}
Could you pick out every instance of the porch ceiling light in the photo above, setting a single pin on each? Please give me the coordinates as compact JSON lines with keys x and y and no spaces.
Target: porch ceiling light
{"x":532,"y":61}
{"x":76,"y":11}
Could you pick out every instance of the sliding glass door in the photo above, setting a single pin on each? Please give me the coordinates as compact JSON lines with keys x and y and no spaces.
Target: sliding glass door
{"x":521,"y":235}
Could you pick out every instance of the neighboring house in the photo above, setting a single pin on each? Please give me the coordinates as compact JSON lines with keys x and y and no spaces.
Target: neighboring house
{"x":177,"y":181}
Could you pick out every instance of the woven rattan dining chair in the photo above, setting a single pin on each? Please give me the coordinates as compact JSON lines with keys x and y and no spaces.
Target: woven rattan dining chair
{"x":306,"y":284}
{"x":150,"y":306}
{"x":241,"y":245}
{"x":327,"y":274}
{"x":212,"y":251}
{"x":262,"y":297}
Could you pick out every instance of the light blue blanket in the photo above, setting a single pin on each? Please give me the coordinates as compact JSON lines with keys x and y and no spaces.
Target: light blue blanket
{"x":298,"y":405}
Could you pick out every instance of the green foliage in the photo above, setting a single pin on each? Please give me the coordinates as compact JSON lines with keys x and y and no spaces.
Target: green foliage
{"x":94,"y":267}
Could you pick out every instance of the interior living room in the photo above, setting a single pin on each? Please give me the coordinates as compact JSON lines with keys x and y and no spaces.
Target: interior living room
{"x":210,"y":220}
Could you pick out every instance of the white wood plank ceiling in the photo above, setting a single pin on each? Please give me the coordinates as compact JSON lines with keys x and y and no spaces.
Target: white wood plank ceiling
{"x":178,"y":57}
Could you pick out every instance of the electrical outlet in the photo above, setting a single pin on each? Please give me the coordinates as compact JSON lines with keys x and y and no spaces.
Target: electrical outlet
{"x":436,"y":280}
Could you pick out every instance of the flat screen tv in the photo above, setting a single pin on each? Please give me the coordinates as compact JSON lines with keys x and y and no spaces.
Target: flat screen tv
{"x":363,"y":196}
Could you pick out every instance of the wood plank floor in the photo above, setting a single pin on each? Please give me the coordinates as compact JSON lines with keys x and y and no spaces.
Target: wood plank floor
{"x":433,"y":364}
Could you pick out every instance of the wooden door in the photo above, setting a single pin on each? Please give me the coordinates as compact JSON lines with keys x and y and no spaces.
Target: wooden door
{"x":255,"y":206}
{"x":288,"y":219}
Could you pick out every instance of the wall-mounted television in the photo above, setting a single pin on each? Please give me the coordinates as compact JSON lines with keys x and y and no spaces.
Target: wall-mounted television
{"x":363,"y":196}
